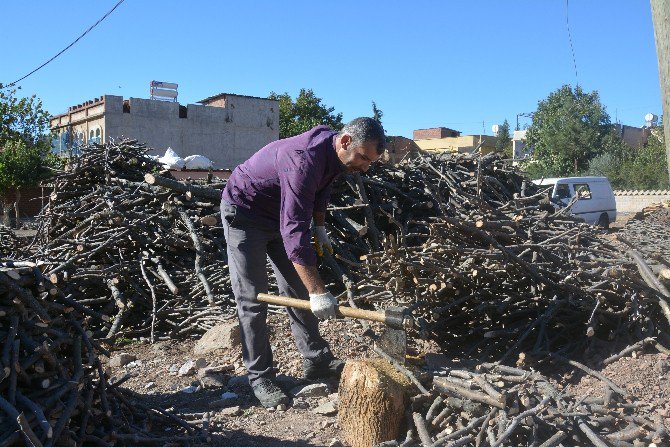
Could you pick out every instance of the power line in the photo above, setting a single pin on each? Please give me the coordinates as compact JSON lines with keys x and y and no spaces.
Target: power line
{"x":567,"y":23}
{"x":68,"y":47}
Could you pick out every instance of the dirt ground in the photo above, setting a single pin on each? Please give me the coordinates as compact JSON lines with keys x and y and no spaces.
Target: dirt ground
{"x":646,"y":377}
{"x":155,"y":377}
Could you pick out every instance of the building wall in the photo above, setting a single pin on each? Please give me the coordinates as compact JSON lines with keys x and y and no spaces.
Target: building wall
{"x":634,"y":201}
{"x":635,"y":137}
{"x":228,"y":131}
{"x":463,"y":144}
{"x":435,"y":132}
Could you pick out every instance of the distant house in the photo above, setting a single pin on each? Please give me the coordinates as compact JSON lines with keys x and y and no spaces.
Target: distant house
{"x":519,"y":148}
{"x":443,"y":139}
{"x":226,"y":128}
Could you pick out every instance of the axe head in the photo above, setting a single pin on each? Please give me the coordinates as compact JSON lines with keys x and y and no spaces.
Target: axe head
{"x":393,"y":340}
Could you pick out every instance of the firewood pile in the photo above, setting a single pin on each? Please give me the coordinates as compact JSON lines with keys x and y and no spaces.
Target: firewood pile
{"x":489,"y":268}
{"x":500,"y":405}
{"x":53,"y":389}
{"x":8,"y":242}
{"x":138,"y":259}
{"x":649,"y":233}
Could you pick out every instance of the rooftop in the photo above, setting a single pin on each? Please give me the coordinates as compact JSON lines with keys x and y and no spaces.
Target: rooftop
{"x":221,"y":95}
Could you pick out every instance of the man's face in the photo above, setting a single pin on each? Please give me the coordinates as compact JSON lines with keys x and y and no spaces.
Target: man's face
{"x":358,"y":158}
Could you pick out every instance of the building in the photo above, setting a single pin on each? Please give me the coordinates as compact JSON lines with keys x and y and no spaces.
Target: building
{"x":519,"y":148}
{"x":225,"y":128}
{"x":635,"y":137}
{"x":443,"y":139}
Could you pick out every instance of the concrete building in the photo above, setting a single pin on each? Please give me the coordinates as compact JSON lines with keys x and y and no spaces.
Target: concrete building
{"x":519,"y":148}
{"x":635,"y":137}
{"x":226,"y":128}
{"x":443,"y":139}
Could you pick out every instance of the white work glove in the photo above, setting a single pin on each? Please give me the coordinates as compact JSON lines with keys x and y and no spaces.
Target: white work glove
{"x":323,"y":305}
{"x":322,"y":241}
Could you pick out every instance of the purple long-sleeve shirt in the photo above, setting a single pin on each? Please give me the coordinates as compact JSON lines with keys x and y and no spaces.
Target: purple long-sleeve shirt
{"x":284,"y":183}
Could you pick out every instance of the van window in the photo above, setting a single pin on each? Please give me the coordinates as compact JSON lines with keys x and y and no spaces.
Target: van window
{"x":563,"y":191}
{"x":583,"y":191}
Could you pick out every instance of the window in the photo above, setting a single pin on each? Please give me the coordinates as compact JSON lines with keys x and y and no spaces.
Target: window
{"x":582,"y":191}
{"x":563,"y":191}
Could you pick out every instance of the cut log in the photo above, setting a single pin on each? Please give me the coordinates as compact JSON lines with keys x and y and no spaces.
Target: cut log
{"x":373,"y":398}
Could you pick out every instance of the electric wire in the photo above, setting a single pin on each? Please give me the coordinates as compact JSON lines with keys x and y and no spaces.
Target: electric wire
{"x":567,"y":23}
{"x":69,"y":46}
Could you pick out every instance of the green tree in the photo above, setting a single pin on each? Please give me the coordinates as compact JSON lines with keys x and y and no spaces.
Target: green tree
{"x":24,"y":147}
{"x":376,"y":112}
{"x":569,"y":128}
{"x":305,"y":112}
{"x":504,"y":140}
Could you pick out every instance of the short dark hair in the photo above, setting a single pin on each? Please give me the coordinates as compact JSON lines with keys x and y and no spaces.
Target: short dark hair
{"x":364,"y":129}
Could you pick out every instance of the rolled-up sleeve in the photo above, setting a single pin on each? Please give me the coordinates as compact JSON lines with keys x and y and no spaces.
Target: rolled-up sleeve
{"x":298,"y":184}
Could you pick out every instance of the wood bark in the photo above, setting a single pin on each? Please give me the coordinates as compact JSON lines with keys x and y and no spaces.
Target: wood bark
{"x":373,"y":400}
{"x":660,"y":14}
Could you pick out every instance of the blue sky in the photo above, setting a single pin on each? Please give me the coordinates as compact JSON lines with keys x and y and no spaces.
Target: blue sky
{"x":460,"y":64}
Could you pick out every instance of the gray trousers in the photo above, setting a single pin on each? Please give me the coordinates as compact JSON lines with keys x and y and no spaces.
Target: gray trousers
{"x":248,"y":244}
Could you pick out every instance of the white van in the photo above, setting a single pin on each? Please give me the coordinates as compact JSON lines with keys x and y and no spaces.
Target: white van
{"x":596,"y":203}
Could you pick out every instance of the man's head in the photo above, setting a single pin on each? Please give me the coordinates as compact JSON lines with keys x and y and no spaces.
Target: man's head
{"x":360,"y":143}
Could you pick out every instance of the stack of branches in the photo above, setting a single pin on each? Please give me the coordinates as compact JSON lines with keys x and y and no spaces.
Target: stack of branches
{"x":8,"y":243}
{"x":649,"y":234}
{"x":500,"y":405}
{"x":53,"y":390}
{"x":486,"y":263}
{"x":139,"y":253}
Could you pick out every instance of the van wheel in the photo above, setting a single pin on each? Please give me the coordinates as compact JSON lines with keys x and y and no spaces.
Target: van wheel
{"x":604,"y":221}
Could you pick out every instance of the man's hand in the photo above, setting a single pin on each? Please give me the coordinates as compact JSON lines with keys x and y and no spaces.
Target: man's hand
{"x":323,"y":305}
{"x":322,"y":241}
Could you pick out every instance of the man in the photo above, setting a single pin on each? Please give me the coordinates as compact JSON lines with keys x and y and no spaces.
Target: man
{"x":267,"y":208}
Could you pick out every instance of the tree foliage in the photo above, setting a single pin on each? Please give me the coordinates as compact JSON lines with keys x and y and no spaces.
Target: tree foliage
{"x":24,"y":145}
{"x":503,"y":139}
{"x":377,"y":113}
{"x":569,"y":128}
{"x":307,"y":111}
{"x":635,"y":168}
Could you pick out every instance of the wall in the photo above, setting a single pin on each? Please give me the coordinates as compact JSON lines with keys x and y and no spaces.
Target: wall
{"x":31,"y":201}
{"x":464,"y":143}
{"x":227,"y":133}
{"x":634,"y":201}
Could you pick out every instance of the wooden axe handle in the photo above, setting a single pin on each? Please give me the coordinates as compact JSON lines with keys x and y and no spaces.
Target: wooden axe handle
{"x":343,"y":311}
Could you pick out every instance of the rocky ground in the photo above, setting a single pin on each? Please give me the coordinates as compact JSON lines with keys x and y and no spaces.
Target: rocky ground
{"x":218,"y":384}
{"x":171,"y":375}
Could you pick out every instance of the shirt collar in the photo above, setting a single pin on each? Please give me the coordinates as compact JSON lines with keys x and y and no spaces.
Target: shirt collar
{"x":340,"y":166}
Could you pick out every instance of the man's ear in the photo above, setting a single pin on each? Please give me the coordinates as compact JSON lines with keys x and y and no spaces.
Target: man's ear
{"x":345,"y":140}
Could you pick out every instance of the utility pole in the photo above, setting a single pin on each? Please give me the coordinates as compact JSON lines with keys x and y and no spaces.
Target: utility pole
{"x":660,"y":14}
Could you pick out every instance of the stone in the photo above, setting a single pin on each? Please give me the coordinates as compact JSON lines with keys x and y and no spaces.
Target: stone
{"x":335,"y":443}
{"x":231,"y":411}
{"x":300,"y":403}
{"x":212,"y":370}
{"x":187,"y":368}
{"x":213,"y":381}
{"x":150,"y":385}
{"x":121,"y":359}
{"x":200,"y":363}
{"x":282,"y":407}
{"x":189,"y":389}
{"x":227,"y":399}
{"x":327,"y":409}
{"x":222,"y":336}
{"x":174,"y":369}
{"x":313,"y":390}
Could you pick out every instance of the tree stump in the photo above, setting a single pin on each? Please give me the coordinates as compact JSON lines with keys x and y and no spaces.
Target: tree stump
{"x":373,"y":397}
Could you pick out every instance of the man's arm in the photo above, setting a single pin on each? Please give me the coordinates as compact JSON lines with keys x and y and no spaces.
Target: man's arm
{"x":311,"y":278}
{"x":319,"y":218}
